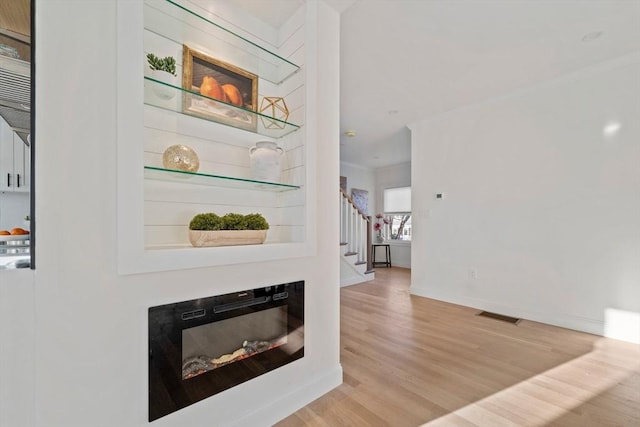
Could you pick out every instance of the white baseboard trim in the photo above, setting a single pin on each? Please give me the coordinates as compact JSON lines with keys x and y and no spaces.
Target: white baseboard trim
{"x":582,"y":324}
{"x":289,"y":403}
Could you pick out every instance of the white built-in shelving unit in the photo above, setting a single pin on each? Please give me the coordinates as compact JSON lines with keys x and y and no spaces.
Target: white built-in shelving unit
{"x":156,"y":204}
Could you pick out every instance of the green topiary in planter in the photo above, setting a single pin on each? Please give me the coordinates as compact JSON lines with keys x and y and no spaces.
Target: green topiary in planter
{"x":255,"y":221}
{"x":231,"y":221}
{"x":234,"y":221}
{"x":206,"y":221}
{"x":209,"y":229}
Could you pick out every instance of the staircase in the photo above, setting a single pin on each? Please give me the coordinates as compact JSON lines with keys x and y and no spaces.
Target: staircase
{"x":355,"y":243}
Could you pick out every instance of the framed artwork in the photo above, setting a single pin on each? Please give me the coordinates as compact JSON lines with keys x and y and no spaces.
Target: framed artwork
{"x":343,"y":183}
{"x":361,"y":199}
{"x":218,"y":91}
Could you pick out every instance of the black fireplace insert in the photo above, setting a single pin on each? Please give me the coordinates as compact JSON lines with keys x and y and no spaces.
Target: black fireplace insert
{"x":201,"y":347}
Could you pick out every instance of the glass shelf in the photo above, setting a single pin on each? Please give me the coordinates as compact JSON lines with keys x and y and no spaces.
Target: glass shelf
{"x":194,"y":28}
{"x":161,"y":174}
{"x":180,"y":100}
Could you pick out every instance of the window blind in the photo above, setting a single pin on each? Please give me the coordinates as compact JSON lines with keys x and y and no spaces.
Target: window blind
{"x":397,"y":200}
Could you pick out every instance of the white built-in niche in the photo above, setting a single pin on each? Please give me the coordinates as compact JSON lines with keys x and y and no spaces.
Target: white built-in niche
{"x":156,"y":205}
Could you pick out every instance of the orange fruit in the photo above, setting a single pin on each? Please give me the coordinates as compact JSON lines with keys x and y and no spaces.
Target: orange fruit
{"x":233,"y":94}
{"x":211,"y":88}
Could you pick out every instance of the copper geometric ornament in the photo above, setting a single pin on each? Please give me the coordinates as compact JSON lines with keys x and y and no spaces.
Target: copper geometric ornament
{"x":275,"y":107}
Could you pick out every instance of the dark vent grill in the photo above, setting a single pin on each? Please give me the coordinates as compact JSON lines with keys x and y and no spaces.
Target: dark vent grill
{"x":15,"y":94}
{"x":15,"y":87}
{"x":501,"y":317}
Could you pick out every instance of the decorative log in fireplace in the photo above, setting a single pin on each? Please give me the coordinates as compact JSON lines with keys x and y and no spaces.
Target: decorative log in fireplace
{"x":201,"y":347}
{"x":197,"y":365}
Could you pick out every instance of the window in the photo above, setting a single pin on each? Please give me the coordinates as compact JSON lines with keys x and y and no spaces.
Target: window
{"x":397,"y":209}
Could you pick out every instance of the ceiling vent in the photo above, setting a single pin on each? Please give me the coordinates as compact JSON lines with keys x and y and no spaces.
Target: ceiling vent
{"x":15,"y":93}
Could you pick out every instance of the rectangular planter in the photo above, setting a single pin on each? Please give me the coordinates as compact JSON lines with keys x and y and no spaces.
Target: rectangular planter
{"x":201,"y":238}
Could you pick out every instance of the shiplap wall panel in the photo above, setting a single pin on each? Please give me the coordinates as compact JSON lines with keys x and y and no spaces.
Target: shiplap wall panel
{"x":211,"y":162}
{"x":216,"y":158}
{"x":295,"y":98}
{"x":293,"y":158}
{"x":266,"y":88}
{"x":224,"y":13}
{"x":187,"y":125}
{"x":162,"y":47}
{"x":291,"y":233}
{"x":293,"y":215}
{"x":291,"y":198}
{"x":297,"y":56}
{"x":224,"y":150}
{"x":156,"y":140}
{"x":292,"y":90}
{"x":293,"y":140}
{"x":293,"y":93}
{"x":292,"y":37}
{"x":295,"y":104}
{"x":295,"y":176}
{"x":191,"y":193}
{"x":293,"y":171}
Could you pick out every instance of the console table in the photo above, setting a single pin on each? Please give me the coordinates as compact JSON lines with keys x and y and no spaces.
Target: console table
{"x":387,"y":255}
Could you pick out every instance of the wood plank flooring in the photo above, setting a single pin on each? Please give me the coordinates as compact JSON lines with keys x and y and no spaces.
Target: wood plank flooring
{"x":412,"y":361}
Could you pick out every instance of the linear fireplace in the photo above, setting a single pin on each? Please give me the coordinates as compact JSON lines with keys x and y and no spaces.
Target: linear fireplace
{"x":201,"y":347}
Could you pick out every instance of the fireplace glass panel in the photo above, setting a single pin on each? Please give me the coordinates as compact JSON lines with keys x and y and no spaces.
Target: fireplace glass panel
{"x":208,"y":347}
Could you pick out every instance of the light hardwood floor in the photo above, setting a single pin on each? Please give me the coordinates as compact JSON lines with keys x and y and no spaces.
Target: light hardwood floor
{"x":412,"y":361}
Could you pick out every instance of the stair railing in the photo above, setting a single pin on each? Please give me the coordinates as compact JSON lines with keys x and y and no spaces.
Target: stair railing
{"x":355,"y":229}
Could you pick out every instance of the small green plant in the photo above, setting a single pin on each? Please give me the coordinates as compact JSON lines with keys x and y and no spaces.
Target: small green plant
{"x":230,"y":221}
{"x":234,"y":221}
{"x":255,"y":221}
{"x":167,"y":64}
{"x":206,"y":221}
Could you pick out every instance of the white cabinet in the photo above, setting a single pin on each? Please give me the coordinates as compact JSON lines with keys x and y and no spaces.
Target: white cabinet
{"x":14,"y":161}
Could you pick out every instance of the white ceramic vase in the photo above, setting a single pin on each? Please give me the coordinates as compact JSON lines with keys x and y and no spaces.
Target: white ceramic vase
{"x":162,"y":91}
{"x":266,"y":161}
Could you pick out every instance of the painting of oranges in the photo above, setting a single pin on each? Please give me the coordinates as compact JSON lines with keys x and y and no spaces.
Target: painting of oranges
{"x":219,"y":91}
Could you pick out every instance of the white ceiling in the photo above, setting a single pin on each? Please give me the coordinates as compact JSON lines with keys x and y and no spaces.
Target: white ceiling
{"x":403,"y":60}
{"x":277,"y":12}
{"x":273,"y":12}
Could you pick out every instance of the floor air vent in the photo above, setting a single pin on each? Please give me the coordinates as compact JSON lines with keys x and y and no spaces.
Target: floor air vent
{"x":496,"y":316}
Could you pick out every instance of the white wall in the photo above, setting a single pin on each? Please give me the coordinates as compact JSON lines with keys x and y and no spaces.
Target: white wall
{"x":391,"y":177}
{"x":541,"y":211}
{"x":90,"y":323}
{"x":17,"y":348}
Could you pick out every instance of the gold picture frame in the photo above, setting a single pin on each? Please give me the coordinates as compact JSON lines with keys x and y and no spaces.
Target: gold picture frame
{"x":218,"y":91}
